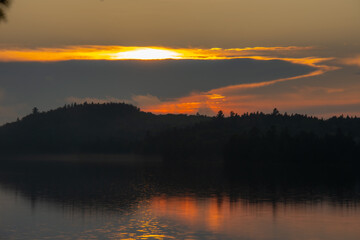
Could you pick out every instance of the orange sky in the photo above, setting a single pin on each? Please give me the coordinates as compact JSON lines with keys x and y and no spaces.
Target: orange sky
{"x":153,"y":53}
{"x":228,"y":98}
{"x":236,"y":98}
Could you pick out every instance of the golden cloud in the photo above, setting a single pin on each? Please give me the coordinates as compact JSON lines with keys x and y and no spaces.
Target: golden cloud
{"x":141,"y":53}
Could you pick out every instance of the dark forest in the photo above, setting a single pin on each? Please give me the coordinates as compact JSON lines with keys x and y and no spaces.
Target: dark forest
{"x":251,"y":139}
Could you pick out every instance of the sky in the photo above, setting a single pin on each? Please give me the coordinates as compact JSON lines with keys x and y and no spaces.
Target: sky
{"x":182,"y":56}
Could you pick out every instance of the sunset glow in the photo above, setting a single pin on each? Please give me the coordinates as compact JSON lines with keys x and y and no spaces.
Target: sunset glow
{"x":153,"y":53}
{"x":210,"y":102}
{"x":148,"y":54}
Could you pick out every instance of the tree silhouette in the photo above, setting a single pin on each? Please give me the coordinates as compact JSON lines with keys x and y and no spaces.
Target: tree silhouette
{"x":35,"y":110}
{"x":3,"y":4}
{"x":220,"y":115}
{"x":275,"y":112}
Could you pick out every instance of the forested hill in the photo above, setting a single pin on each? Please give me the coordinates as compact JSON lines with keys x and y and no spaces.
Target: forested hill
{"x":110,"y":127}
{"x":123,"y":128}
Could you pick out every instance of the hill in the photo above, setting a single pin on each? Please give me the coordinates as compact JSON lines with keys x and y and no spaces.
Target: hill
{"x":90,"y":128}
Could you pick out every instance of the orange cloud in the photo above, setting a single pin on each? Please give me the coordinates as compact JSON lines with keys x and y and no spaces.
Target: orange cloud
{"x":354,"y":61}
{"x":304,"y":98}
{"x":188,"y":105}
{"x":141,"y":53}
{"x":235,"y":98}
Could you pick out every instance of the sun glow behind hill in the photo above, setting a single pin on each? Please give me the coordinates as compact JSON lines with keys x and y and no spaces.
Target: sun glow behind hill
{"x":148,"y":54}
{"x":118,"y":53}
{"x":94,"y":52}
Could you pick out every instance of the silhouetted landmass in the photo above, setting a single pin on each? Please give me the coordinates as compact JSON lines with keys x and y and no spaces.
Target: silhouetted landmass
{"x":86,"y":128}
{"x":256,"y":135}
{"x":249,"y":140}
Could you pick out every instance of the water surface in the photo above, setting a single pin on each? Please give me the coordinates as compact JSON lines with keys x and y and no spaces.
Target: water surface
{"x":150,"y":200}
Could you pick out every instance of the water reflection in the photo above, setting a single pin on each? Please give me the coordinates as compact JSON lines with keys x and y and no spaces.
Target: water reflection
{"x":147,"y":200}
{"x":243,"y":220}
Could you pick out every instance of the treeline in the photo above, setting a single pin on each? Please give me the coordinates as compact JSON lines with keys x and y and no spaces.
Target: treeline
{"x":279,"y":148}
{"x":258,"y":135}
{"x":250,"y":138}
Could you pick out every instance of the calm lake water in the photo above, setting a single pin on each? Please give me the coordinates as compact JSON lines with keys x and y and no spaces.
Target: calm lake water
{"x":126,"y":199}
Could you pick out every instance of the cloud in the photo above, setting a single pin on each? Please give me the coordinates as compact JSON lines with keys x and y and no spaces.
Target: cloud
{"x":9,"y":113}
{"x":145,"y":100}
{"x":95,"y":52}
{"x":314,"y":100}
{"x":124,"y":79}
{"x":175,"y":86}
{"x":203,"y":103}
{"x":353,"y":61}
{"x":206,"y":110}
{"x":2,"y":94}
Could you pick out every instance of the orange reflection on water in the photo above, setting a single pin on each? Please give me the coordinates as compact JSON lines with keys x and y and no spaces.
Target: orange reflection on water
{"x":186,"y":209}
{"x":263,"y":220}
{"x":209,"y":213}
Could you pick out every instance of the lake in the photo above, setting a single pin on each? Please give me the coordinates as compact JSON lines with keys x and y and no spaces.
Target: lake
{"x":101,"y":197}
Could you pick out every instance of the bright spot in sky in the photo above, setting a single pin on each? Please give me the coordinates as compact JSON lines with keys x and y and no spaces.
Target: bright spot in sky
{"x":148,"y":54}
